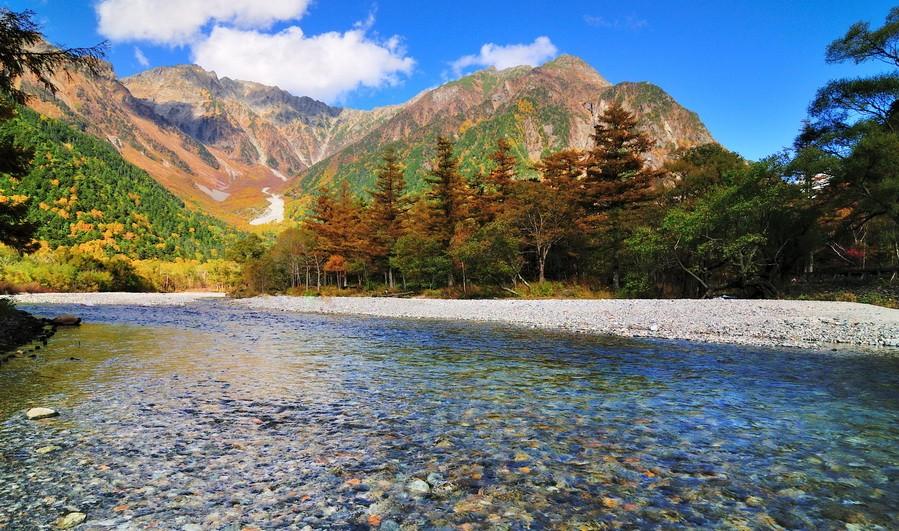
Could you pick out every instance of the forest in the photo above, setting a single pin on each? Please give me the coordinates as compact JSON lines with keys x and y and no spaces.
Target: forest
{"x":818,"y":220}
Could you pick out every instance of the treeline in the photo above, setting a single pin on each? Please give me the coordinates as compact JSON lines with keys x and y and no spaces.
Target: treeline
{"x":707,"y":223}
{"x":601,"y":217}
{"x":71,"y":269}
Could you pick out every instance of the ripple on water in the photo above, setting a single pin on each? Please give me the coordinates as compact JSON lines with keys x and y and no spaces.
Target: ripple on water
{"x":215,"y":416}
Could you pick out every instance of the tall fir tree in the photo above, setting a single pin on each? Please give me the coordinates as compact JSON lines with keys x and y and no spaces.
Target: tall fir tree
{"x":448,"y":193}
{"x":617,"y":183}
{"x":388,"y":203}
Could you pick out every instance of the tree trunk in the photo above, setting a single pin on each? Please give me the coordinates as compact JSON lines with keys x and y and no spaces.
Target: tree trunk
{"x":541,"y":262}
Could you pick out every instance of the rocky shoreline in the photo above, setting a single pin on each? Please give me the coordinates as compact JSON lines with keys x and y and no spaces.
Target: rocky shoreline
{"x":772,"y":323}
{"x":19,"y":329}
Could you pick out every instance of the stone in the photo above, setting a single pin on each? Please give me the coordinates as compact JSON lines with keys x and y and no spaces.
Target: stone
{"x":37,"y":413}
{"x":70,"y":520}
{"x":66,"y":320}
{"x":390,"y":525}
{"x":46,"y":449}
{"x":191,"y":527}
{"x":418,"y":487}
{"x":434,"y":479}
{"x":753,"y":501}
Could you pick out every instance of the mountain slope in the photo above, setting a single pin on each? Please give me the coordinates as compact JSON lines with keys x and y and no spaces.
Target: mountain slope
{"x":83,"y":193}
{"x":222,"y":145}
{"x":206,"y":178}
{"x":537,"y":109}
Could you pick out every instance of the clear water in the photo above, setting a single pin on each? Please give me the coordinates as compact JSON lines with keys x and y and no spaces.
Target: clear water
{"x":226,"y":418}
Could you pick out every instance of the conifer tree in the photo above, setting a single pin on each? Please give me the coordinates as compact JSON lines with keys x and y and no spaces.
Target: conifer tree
{"x":388,"y":204}
{"x":617,"y":182}
{"x":448,"y":192}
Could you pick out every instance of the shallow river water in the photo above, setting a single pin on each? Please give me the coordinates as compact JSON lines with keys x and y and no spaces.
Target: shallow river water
{"x":214,"y":417}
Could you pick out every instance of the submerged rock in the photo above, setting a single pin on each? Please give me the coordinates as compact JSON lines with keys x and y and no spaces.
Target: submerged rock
{"x":70,"y":520}
{"x":46,"y":449}
{"x":37,"y":413}
{"x":66,"y":320}
{"x":418,"y":487}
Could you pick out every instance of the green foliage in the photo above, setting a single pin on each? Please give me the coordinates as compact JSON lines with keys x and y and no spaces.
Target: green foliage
{"x":740,"y":237}
{"x":491,"y":255}
{"x":421,"y":259}
{"x":83,"y":193}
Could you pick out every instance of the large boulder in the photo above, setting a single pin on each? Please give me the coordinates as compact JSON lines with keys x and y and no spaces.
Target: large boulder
{"x":66,"y":320}
{"x":37,"y":413}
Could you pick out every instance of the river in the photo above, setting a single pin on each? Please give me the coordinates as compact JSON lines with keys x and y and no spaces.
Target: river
{"x":275,"y":211}
{"x":210,"y":416}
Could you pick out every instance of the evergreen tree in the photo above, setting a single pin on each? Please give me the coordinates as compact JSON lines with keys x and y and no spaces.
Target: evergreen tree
{"x":448,"y":192}
{"x":617,"y":183}
{"x":386,"y":210}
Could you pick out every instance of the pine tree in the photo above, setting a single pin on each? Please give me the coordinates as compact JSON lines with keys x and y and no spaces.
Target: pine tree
{"x":617,"y":183}
{"x":448,"y":192}
{"x":386,"y":210}
{"x":493,"y":192}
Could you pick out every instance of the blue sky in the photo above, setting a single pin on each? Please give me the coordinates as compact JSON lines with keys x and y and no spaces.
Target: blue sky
{"x":749,"y":68}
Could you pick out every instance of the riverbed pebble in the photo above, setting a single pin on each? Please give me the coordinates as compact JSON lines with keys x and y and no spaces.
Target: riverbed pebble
{"x":71,"y":520}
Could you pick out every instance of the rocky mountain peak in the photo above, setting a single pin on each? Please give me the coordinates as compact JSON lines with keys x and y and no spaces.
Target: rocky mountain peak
{"x":571,"y":65}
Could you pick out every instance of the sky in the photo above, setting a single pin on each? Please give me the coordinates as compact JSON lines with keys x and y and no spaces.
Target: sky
{"x":748,"y":68}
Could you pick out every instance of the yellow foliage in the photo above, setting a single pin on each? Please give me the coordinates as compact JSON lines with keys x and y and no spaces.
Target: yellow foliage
{"x":525,"y":106}
{"x":80,"y":226}
{"x":96,"y":213}
{"x":44,"y":206}
{"x":466,"y":125}
{"x":13,"y":199}
{"x":64,"y":214}
{"x":54,"y":182}
{"x":62,"y":201}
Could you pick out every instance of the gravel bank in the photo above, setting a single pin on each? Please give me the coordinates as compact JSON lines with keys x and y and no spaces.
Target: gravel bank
{"x":807,"y":324}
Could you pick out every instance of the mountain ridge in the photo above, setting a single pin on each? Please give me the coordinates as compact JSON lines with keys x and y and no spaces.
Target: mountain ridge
{"x":217,"y":142}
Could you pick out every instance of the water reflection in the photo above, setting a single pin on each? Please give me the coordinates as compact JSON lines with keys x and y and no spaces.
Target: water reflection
{"x":216,"y":416}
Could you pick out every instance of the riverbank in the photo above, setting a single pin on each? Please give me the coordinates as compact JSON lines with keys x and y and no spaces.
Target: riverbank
{"x":805,"y":324}
{"x":19,"y":328}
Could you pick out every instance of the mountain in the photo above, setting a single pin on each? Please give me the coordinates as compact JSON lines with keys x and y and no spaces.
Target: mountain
{"x":538,"y":110}
{"x":225,"y":146}
{"x":83,"y":193}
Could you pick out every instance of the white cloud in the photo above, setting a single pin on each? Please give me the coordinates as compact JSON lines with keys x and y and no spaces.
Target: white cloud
{"x":325,"y":66}
{"x":631,"y":22}
{"x":178,"y":22}
{"x":140,"y":57}
{"x":536,"y":53}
